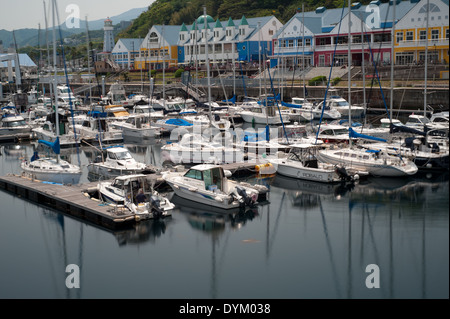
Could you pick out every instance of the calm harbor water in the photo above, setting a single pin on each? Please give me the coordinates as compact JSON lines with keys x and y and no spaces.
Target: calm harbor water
{"x":311,"y":241}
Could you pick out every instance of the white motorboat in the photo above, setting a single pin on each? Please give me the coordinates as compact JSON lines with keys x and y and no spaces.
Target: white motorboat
{"x":302,"y":163}
{"x":138,"y":126}
{"x":209,"y":185}
{"x":117,"y":161}
{"x":342,"y":106}
{"x":263,"y":115}
{"x":14,"y":125}
{"x":193,"y":148}
{"x":97,"y":130}
{"x":310,"y":112}
{"x":135,"y":192}
{"x":147,"y":110}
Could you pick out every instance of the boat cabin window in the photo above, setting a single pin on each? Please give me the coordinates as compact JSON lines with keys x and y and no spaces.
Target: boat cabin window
{"x":366,"y":157}
{"x":257,"y":110}
{"x":353,"y":155}
{"x":341,"y":103}
{"x":118,"y":183}
{"x":212,"y":179}
{"x":120,"y":155}
{"x":195,"y":174}
{"x":346,"y":154}
{"x":16,"y":123}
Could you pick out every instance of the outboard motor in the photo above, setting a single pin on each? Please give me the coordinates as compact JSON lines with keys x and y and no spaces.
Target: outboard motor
{"x":342,"y":172}
{"x":155,"y":203}
{"x":245,"y":197}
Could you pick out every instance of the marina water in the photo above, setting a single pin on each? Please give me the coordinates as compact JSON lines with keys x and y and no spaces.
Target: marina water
{"x":311,"y":241}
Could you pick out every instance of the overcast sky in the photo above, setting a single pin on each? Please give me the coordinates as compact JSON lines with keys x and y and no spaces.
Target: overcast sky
{"x":20,"y":14}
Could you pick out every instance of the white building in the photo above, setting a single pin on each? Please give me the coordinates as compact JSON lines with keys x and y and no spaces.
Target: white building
{"x":125,"y":51}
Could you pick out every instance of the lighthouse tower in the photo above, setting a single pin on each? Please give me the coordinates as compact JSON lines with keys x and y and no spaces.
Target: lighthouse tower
{"x":108,"y":40}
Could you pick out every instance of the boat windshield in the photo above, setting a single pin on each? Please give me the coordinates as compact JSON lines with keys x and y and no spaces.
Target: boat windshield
{"x":120,"y":155}
{"x":16,"y":123}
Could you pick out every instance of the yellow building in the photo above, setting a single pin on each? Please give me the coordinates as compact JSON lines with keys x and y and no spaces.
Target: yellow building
{"x":411,"y":34}
{"x":159,"y":48}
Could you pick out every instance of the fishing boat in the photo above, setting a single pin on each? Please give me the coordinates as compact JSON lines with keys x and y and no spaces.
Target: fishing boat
{"x":117,"y":161}
{"x":136,"y":193}
{"x":209,"y":184}
{"x":302,"y":163}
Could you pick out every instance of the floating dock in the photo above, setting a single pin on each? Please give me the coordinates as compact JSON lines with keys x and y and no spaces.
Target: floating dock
{"x":74,"y":200}
{"x":69,"y":199}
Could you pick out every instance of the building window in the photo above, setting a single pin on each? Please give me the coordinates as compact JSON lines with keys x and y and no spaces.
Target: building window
{"x":434,"y":34}
{"x":446,"y":33}
{"x":153,"y":37}
{"x":409,"y":35}
{"x":422,"y":35}
{"x":399,"y":37}
{"x":270,"y":32}
{"x":307,"y":42}
{"x":290,"y":43}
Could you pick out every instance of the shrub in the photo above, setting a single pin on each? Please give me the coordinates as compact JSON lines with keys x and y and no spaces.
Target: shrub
{"x":336,"y":81}
{"x":317,"y":80}
{"x":178,"y":73}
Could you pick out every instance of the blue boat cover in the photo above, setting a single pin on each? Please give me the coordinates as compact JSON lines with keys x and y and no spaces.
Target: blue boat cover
{"x":179,"y":122}
{"x":55,"y":146}
{"x":354,"y":134}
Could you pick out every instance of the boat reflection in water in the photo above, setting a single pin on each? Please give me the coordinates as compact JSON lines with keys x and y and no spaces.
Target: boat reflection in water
{"x":307,"y":194}
{"x":212,"y":219}
{"x":145,"y":231}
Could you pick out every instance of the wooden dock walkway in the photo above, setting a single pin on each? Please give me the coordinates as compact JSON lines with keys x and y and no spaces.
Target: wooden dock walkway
{"x":74,"y":200}
{"x":69,"y":199}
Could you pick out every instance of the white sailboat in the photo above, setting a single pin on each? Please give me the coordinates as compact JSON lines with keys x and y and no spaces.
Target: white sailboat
{"x":48,"y":169}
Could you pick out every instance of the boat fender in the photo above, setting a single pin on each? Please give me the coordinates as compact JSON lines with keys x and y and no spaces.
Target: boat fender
{"x":219,"y":199}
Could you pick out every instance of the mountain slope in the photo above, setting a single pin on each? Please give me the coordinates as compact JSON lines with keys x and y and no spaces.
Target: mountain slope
{"x":29,"y":37}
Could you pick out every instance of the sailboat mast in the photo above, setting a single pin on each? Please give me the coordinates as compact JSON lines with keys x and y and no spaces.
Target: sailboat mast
{"x":55,"y":83}
{"x":259,"y":55}
{"x":207,"y":62}
{"x":164,"y":66}
{"x":392,"y":61}
{"x":303,"y":50}
{"x":426,"y":62}
{"x":349,"y":69}
{"x":363,"y":69}
{"x":88,"y":62}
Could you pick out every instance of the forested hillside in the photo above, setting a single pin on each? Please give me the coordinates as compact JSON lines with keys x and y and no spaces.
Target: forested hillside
{"x":175,"y":12}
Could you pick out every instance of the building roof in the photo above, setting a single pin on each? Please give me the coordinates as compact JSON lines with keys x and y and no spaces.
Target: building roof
{"x":24,"y":60}
{"x":128,"y":44}
{"x":170,"y":33}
